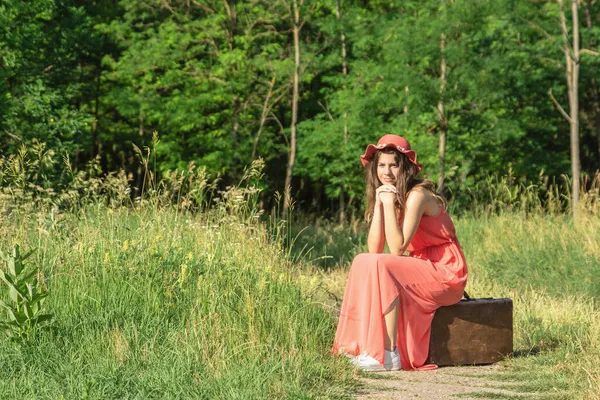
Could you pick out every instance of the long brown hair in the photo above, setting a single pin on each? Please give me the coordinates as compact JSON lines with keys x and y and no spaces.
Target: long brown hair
{"x":407,"y":180}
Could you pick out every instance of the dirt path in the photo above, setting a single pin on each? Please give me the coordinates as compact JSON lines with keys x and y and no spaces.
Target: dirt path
{"x":441,"y":384}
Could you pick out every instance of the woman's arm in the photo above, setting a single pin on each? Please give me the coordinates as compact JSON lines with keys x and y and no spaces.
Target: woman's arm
{"x":376,"y":238}
{"x":399,"y":237}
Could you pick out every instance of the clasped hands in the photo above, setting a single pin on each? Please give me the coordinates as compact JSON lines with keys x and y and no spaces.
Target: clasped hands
{"x":386,"y":194}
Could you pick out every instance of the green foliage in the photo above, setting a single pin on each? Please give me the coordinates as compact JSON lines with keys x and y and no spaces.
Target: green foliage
{"x":200,"y":72}
{"x":33,"y":178}
{"x":93,"y":79}
{"x":26,"y":297}
{"x":46,"y":47}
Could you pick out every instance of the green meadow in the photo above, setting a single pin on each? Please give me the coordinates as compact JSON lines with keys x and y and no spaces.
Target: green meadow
{"x":154,"y":302}
{"x":155,"y":299}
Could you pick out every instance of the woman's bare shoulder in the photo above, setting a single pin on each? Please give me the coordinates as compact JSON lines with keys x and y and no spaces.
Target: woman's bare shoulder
{"x":421,"y":195}
{"x":420,"y":192}
{"x":418,"y":195}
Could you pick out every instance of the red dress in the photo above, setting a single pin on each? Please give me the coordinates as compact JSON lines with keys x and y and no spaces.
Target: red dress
{"x":433,"y":275}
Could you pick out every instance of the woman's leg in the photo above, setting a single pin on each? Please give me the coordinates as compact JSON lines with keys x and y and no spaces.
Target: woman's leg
{"x":391,"y":324}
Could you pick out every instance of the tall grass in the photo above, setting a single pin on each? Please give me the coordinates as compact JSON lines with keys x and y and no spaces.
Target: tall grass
{"x":496,"y":194}
{"x":151,"y":300}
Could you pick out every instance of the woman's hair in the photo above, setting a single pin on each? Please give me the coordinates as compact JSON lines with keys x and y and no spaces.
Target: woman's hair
{"x":407,"y":180}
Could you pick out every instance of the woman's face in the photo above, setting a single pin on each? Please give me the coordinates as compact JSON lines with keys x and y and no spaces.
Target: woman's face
{"x":388,"y":169}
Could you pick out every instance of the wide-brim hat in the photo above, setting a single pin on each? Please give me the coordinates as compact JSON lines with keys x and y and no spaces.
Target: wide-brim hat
{"x":390,"y":141}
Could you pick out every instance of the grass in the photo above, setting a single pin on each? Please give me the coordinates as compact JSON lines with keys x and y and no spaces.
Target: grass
{"x":546,"y":253}
{"x":152,"y":300}
{"x":550,"y":268}
{"x":162,"y":295}
{"x":162,"y":304}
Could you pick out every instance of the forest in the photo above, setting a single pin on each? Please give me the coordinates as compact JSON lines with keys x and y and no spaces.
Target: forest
{"x":480,"y":89}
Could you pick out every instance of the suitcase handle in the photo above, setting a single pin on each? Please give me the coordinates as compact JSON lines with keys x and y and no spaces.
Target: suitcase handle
{"x":468,"y":298}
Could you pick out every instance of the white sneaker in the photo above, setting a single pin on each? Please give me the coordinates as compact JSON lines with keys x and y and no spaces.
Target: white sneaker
{"x":391,"y":362}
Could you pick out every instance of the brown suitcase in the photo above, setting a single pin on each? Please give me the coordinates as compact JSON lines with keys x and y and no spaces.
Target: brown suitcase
{"x":473,"y":331}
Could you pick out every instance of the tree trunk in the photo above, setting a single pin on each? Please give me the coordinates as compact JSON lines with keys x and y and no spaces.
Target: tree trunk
{"x":95,"y":122}
{"x":287,"y":198}
{"x":572,"y":59}
{"x":235,"y":102}
{"x":595,"y":97}
{"x":574,"y":105}
{"x":442,"y":116}
{"x":345,"y":74}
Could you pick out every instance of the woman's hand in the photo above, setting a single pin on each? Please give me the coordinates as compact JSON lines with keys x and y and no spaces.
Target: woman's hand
{"x":385,"y":194}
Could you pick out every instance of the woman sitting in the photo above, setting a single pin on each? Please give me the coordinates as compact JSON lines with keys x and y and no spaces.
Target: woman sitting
{"x":390,"y":299}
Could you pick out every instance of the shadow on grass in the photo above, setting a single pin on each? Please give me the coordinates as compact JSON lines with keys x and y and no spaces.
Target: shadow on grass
{"x":534,"y":351}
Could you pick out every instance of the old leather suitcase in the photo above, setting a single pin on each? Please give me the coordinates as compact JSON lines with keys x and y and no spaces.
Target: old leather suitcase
{"x":473,"y":331}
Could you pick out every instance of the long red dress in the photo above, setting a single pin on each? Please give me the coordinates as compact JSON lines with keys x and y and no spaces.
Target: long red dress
{"x":433,"y":275}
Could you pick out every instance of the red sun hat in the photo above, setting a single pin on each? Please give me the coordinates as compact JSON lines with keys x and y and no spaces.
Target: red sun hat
{"x":390,"y":141}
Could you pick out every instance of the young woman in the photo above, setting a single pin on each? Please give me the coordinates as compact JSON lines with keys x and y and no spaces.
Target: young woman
{"x":390,"y":299}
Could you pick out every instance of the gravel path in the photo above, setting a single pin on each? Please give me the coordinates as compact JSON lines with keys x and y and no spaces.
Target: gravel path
{"x":441,"y":384}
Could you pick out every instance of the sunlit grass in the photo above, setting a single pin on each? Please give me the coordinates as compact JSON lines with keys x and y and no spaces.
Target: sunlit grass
{"x":167,"y":304}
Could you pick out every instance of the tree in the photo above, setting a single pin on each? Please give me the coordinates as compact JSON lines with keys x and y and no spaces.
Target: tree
{"x":443,"y":122}
{"x":296,"y":27}
{"x":225,"y":82}
{"x":338,"y":13}
{"x":572,"y":59}
{"x":196,"y":72}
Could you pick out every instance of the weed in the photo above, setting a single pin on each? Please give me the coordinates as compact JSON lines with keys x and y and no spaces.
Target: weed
{"x":26,"y":298}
